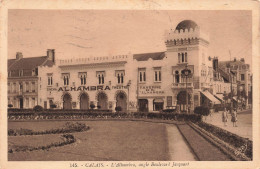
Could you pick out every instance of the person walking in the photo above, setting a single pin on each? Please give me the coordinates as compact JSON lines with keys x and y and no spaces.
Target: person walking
{"x":225,"y":116}
{"x":234,"y":118}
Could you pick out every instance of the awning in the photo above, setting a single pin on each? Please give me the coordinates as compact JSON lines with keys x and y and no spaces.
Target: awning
{"x":158,"y":101}
{"x":219,"y":96}
{"x":210,"y":97}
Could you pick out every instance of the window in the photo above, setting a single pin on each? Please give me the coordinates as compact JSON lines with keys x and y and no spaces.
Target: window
{"x":8,"y":87}
{"x":120,"y":76}
{"x":33,"y":86}
{"x":27,"y":102}
{"x":183,"y":57}
{"x":49,"y":80}
{"x":27,"y":87}
{"x":20,"y":72}
{"x":157,"y":75}
{"x":242,"y":77}
{"x":142,"y":75}
{"x":101,"y":77}
{"x":33,"y":102}
{"x":66,"y":77}
{"x":177,"y":77}
{"x":83,"y":78}
{"x":13,"y":88}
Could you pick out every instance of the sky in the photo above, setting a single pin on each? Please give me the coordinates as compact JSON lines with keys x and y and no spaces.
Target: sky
{"x":85,"y":33}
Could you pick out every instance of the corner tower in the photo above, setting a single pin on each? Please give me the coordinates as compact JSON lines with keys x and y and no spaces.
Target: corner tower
{"x":187,"y":45}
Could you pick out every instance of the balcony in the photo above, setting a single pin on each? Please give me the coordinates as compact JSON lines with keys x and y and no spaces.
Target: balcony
{"x":182,"y":85}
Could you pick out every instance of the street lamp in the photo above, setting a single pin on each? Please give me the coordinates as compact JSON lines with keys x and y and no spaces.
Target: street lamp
{"x":128,"y":85}
{"x":186,"y":73}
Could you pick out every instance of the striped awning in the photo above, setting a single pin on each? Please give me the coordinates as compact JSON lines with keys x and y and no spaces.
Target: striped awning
{"x":210,"y":97}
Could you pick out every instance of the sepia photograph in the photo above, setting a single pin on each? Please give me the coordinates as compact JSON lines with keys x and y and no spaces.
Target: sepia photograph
{"x":166,"y":87}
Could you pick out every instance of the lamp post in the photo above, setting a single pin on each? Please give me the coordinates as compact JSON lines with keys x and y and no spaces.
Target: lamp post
{"x":128,"y":85}
{"x":231,"y":88}
{"x":186,"y":73}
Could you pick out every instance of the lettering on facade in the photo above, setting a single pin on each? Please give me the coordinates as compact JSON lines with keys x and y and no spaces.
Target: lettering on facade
{"x":150,"y":90}
{"x":83,"y":88}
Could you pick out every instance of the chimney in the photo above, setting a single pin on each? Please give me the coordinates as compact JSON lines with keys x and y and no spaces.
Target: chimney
{"x":19,"y":55}
{"x":215,"y":63}
{"x":242,"y":60}
{"x":51,"y":54}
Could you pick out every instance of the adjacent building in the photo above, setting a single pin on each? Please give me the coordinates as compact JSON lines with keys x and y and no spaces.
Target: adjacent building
{"x":23,"y":79}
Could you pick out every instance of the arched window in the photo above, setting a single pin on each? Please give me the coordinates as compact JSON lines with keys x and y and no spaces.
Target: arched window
{"x":189,"y":40}
{"x":182,"y":56}
{"x":174,"y":42}
{"x":181,"y":41}
{"x":186,"y":59}
{"x":177,"y":77}
{"x":179,"y":58}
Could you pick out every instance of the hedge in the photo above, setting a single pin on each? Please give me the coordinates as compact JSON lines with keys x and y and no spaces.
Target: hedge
{"x":79,"y":114}
{"x":243,"y":145}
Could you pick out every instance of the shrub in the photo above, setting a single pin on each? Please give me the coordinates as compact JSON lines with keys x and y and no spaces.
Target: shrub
{"x":118,"y":108}
{"x":10,"y":105}
{"x":201,"y":110}
{"x":92,"y":106}
{"x":38,"y":108}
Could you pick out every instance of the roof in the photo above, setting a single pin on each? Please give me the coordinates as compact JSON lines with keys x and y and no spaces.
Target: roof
{"x":146,"y":56}
{"x":186,"y":24}
{"x":28,"y":63}
{"x":223,"y":64}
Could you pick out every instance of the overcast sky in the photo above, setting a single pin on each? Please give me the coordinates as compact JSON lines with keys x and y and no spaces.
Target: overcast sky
{"x":84,"y":33}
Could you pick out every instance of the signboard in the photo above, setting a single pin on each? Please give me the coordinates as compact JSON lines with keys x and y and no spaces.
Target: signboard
{"x":150,"y":90}
{"x":86,"y":88}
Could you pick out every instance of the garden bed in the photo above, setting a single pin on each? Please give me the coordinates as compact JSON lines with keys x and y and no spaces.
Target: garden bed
{"x":242,"y":146}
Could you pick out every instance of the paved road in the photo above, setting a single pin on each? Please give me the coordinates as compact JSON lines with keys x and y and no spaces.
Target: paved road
{"x":244,"y":123}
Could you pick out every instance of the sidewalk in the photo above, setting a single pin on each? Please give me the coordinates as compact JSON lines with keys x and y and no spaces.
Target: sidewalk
{"x":244,"y":123}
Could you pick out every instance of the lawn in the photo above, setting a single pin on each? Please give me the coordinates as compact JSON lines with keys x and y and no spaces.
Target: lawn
{"x":105,"y":141}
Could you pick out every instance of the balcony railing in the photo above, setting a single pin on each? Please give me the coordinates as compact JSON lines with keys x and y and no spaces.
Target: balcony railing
{"x":182,"y":85}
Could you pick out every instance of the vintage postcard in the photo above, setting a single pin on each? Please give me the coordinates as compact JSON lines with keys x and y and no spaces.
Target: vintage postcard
{"x":129,"y":84}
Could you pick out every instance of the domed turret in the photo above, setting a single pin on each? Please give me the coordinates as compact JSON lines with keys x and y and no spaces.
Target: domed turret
{"x":186,"y":24}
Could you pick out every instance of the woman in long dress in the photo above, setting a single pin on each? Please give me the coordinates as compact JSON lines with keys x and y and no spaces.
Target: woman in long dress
{"x":234,"y":118}
{"x":225,"y":117}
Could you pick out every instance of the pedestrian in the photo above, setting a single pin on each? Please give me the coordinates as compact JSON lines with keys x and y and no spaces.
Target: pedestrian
{"x":225,"y":117}
{"x":234,"y":118}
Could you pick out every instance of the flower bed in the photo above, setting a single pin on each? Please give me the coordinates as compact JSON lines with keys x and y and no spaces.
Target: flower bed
{"x":241,"y":144}
{"x":68,"y":139}
{"x":68,"y":128}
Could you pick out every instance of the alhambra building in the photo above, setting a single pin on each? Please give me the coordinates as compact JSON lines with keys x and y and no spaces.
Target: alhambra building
{"x":138,"y":82}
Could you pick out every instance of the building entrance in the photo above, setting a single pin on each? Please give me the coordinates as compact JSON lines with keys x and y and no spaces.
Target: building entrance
{"x":67,"y":102}
{"x":21,"y":103}
{"x":84,"y":102}
{"x":121,"y":101}
{"x":143,"y":105}
{"x":181,"y":100}
{"x":102,"y":101}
